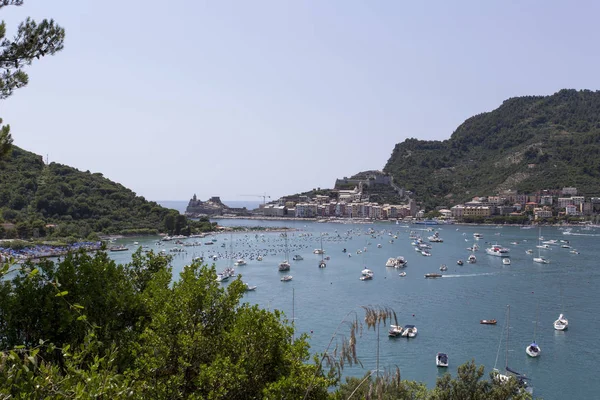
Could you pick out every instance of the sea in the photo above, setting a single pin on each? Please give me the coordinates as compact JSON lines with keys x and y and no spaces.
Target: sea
{"x":446,"y":311}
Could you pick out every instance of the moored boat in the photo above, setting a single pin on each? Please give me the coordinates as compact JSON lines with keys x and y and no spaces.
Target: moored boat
{"x":395,"y":331}
{"x":410,"y":331}
{"x":561,"y":323}
{"x":286,"y":278}
{"x":488,"y":322}
{"x":441,"y":360}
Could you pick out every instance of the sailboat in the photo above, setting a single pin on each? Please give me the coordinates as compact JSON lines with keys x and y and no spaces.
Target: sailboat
{"x":322,"y":264}
{"x":533,"y":350}
{"x":285,"y":264}
{"x":504,"y":378}
{"x":561,"y":323}
{"x":539,"y":258}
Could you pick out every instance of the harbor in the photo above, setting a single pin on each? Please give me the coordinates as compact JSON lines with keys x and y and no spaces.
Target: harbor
{"x":447,"y":311}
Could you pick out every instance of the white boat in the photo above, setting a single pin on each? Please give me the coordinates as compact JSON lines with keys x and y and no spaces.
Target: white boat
{"x":395,"y":331}
{"x":529,"y":251}
{"x":477,"y":236}
{"x":540,"y":259}
{"x":506,"y":261}
{"x":367,"y":274}
{"x":533,"y":350}
{"x":402,"y":274}
{"x":378,"y":245}
{"x":441,"y":360}
{"x":443,"y":267}
{"x":459,"y":262}
{"x":425,"y":253}
{"x":249,"y":288}
{"x":497,"y":251}
{"x":286,"y":278}
{"x":322,"y":263}
{"x":503,"y":378}
{"x":240,"y":262}
{"x":285,"y":265}
{"x":472,"y":259}
{"x":259,"y":258}
{"x":561,"y":323}
{"x":574,"y":251}
{"x":410,"y":331}
{"x":297,"y":257}
{"x":391,"y":262}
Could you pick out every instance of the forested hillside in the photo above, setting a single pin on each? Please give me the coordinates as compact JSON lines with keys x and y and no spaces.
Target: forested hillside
{"x":35,"y":196}
{"x":527,"y":144}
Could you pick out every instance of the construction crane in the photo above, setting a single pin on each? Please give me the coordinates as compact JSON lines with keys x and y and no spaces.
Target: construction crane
{"x":264,"y":196}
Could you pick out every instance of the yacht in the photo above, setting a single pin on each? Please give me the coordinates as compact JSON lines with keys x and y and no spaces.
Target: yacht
{"x":498,"y":251}
{"x":410,"y":331}
{"x":402,"y":274}
{"x":297,"y":257}
{"x":367,"y":274}
{"x":477,"y":236}
{"x":286,"y":278}
{"x":322,"y":264}
{"x":506,"y":261}
{"x":239,"y":262}
{"x":441,"y":360}
{"x":443,"y":267}
{"x":249,"y":288}
{"x":425,"y":253}
{"x":284,"y":266}
{"x":541,"y":260}
{"x":395,"y":331}
{"x":460,"y":262}
{"x":318,"y":251}
{"x":561,"y":323}
{"x":472,"y":259}
{"x":259,"y":258}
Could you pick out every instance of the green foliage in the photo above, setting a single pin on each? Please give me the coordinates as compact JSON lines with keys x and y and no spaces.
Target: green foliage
{"x":527,"y":144}
{"x":79,"y":204}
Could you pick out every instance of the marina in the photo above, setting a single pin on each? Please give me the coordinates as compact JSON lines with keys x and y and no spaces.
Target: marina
{"x":465,"y":301}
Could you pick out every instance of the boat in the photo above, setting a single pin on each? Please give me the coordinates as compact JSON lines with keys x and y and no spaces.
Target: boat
{"x":395,"y":331}
{"x":561,"y":323}
{"x":533,"y":350}
{"x":391,"y":262}
{"x":540,"y":259}
{"x":367,"y":274}
{"x":378,"y":245}
{"x":398,"y":262}
{"x":286,"y":278}
{"x":410,"y":331}
{"x":402,"y":274}
{"x":285,"y":265}
{"x":472,"y":259}
{"x":322,"y":263}
{"x":497,"y":251}
{"x":425,"y":253}
{"x":433,"y":275}
{"x":502,"y":378}
{"x":506,"y":261}
{"x":240,"y":262}
{"x":259,"y":258}
{"x":441,"y":360}
{"x":574,"y":251}
{"x":118,"y":248}
{"x":529,"y":251}
{"x":488,"y":322}
{"x":477,"y":236}
{"x":297,"y":257}
{"x":249,"y":288}
{"x":460,"y":262}
{"x":443,"y":267}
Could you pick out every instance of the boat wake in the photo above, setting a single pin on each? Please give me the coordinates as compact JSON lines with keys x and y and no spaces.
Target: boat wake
{"x":468,"y":275}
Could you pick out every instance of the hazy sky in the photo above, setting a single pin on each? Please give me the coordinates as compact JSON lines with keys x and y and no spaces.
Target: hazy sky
{"x":230,"y":98}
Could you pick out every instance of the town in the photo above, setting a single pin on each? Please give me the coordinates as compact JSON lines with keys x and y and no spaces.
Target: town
{"x":357,"y":202}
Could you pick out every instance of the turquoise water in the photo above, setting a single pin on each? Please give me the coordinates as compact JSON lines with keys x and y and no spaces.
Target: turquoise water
{"x":446,"y":311}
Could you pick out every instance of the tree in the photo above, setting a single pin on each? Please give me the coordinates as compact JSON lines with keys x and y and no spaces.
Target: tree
{"x":31,"y":41}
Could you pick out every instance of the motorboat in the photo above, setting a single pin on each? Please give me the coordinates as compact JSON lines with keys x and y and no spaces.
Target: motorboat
{"x":561,"y":323}
{"x":460,"y":262}
{"x":574,"y":251}
{"x":240,"y":262}
{"x":398,"y":262}
{"x":410,"y":331}
{"x":395,"y":331}
{"x":391,"y":262}
{"x":367,"y":274}
{"x":425,"y":253}
{"x":488,"y":322}
{"x":297,"y":257}
{"x":250,"y":288}
{"x":284,"y":266}
{"x":286,"y":278}
{"x":443,"y":267}
{"x":472,"y":259}
{"x":506,"y":261}
{"x":118,"y":248}
{"x":441,"y":360}
{"x":533,"y":350}
{"x":498,"y":251}
{"x":433,"y":275}
{"x":541,"y":260}
{"x":477,"y":236}
{"x":259,"y":258}
{"x":378,"y":245}
{"x":402,"y":274}
{"x":529,"y":251}
{"x":319,"y":251}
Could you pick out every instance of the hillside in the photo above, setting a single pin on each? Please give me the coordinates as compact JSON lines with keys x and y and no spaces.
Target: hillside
{"x":39,"y":200}
{"x":527,"y":144}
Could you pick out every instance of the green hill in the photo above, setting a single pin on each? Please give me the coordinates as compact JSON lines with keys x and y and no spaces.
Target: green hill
{"x":41,"y":200}
{"x":527,"y":144}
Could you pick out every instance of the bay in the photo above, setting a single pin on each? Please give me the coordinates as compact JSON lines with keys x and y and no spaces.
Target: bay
{"x":446,"y":311}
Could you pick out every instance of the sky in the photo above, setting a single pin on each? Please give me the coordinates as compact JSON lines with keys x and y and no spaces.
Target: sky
{"x":243,"y":98}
